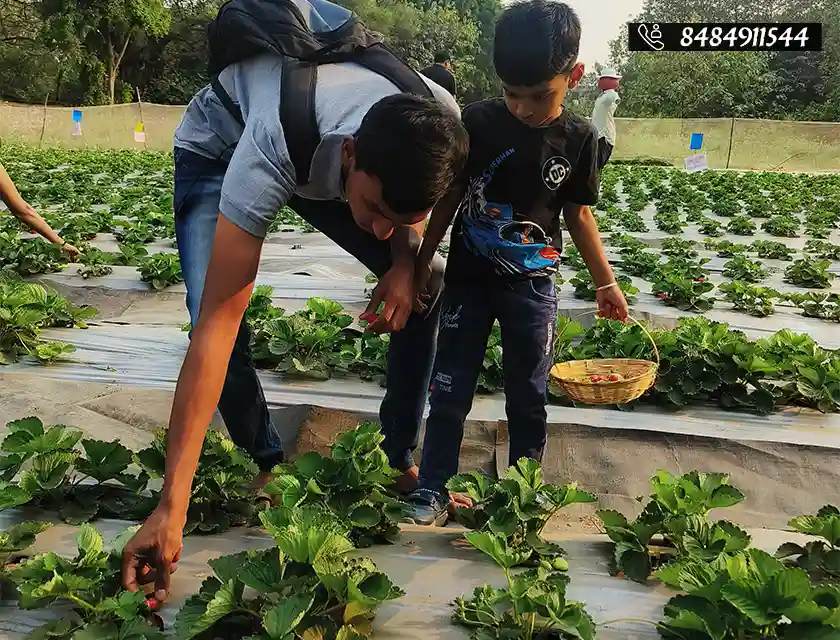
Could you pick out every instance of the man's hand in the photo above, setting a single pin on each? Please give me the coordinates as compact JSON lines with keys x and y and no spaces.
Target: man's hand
{"x":72,"y":251}
{"x":152,"y":555}
{"x":396,"y":290}
{"x":612,"y":304}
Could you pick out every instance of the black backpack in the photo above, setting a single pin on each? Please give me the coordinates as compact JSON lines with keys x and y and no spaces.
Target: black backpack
{"x":245,"y":28}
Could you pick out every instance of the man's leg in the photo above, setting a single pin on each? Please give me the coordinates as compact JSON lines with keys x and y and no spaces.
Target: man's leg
{"x":465,"y":324}
{"x":528,"y":318}
{"x":411,"y":354}
{"x":198,"y":185}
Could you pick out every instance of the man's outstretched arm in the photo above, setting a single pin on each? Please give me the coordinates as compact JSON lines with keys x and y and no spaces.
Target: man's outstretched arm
{"x":227,"y":290}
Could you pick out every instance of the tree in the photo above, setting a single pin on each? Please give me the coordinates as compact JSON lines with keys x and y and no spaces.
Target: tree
{"x":103,"y":29}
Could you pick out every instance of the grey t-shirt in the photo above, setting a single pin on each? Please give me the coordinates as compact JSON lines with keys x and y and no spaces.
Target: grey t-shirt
{"x":260,"y":178}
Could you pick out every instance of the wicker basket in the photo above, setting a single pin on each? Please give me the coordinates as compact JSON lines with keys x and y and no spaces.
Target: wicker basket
{"x":637,"y":377}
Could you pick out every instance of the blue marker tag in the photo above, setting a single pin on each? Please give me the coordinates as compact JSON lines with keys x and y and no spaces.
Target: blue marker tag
{"x":77,"y":115}
{"x":696,"y":141}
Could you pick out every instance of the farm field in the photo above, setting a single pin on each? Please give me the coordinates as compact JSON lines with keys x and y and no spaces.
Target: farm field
{"x":734,"y":275}
{"x":736,"y":272}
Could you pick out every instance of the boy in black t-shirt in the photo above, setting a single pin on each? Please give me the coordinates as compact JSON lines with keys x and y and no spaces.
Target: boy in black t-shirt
{"x":530,"y":160}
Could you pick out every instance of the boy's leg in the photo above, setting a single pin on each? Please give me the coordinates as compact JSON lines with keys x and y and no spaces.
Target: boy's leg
{"x":465,"y":324}
{"x":527,"y":313}
{"x":198,"y":185}
{"x":411,"y":353}
{"x":605,"y":150}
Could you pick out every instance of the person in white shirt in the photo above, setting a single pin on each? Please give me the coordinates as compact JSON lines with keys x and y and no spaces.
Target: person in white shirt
{"x":603,"y":114}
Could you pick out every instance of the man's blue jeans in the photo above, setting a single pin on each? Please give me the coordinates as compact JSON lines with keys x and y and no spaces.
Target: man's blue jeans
{"x":198,"y":185}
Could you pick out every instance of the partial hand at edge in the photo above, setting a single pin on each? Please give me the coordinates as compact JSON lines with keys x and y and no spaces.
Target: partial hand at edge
{"x":152,"y":555}
{"x":396,"y":291}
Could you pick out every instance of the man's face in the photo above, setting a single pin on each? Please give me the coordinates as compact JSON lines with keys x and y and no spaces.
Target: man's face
{"x":364,"y":195}
{"x":541,"y":104}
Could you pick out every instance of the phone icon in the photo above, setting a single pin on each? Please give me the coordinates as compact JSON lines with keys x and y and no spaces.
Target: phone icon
{"x":653,"y":39}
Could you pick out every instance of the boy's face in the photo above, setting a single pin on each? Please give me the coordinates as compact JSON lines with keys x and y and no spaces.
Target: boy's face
{"x":541,"y":104}
{"x":364,"y":196}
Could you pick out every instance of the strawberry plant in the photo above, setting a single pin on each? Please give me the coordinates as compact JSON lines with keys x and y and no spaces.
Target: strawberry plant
{"x":772,"y":250}
{"x":532,"y":605}
{"x":679,"y":248}
{"x":668,"y":221}
{"x":53,"y":474}
{"x":751,"y":596}
{"x":353,"y":484}
{"x":675,"y":289}
{"x":710,"y":227}
{"x":135,"y":233}
{"x":89,"y":585}
{"x":95,"y":264}
{"x":742,"y":268}
{"x":642,"y":264}
{"x":585,"y":288}
{"x":367,"y":357}
{"x":27,"y":308}
{"x":516,"y":507}
{"x":783,"y":226}
{"x":809,"y":273}
{"x":825,"y":306}
{"x":491,"y":378}
{"x":741,"y":226}
{"x":220,"y":497}
{"x":674,"y":523}
{"x":131,"y":255}
{"x":756,"y":301}
{"x":31,"y":257}
{"x":308,"y":343}
{"x":823,"y":250}
{"x":305,"y":587}
{"x":161,"y":270}
{"x":820,"y":558}
{"x":726,"y":249}
{"x":631,"y":222}
{"x":14,"y":541}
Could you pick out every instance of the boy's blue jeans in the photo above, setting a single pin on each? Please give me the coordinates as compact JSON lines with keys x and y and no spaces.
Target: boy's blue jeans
{"x":198,"y":185}
{"x":527,"y":314}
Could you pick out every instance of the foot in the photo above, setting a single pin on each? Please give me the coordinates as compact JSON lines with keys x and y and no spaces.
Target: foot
{"x":407,"y":482}
{"x":427,"y":509}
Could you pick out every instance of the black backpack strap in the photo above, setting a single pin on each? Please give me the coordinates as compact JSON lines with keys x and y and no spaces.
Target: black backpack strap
{"x":297,"y":114}
{"x":379,"y":59}
{"x":226,"y":101}
{"x":297,"y":105}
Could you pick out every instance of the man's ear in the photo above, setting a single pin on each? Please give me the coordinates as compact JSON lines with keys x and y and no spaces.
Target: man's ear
{"x":576,"y":75}
{"x":348,"y":152}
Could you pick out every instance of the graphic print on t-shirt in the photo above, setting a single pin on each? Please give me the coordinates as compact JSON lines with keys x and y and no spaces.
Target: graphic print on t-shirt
{"x":515,"y":247}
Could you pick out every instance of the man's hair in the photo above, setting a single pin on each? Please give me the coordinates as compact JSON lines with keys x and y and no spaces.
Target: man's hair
{"x":441,"y":56}
{"x":415,"y":146}
{"x":535,"y":42}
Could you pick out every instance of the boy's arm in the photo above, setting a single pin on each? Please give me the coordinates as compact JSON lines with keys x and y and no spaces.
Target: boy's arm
{"x":439,"y":222}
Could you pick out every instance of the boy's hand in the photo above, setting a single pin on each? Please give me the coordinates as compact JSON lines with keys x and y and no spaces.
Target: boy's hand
{"x":612,"y":304}
{"x":396,"y":290}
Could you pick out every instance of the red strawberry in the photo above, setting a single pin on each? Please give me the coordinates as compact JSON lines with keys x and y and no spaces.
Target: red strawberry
{"x":152,"y":602}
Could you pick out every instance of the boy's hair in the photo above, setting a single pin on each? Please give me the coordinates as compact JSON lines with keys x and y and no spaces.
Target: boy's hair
{"x":415,"y":146}
{"x":535,"y":42}
{"x":441,"y":56}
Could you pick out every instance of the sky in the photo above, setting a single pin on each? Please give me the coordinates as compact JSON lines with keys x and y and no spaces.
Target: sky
{"x":602,"y":21}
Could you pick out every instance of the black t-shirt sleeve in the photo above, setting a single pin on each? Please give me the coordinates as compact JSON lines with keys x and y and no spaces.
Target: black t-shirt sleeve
{"x":585,"y":181}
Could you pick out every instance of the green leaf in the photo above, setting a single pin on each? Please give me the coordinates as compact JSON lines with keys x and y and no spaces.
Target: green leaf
{"x":88,"y":541}
{"x":11,"y":495}
{"x":612,"y":519}
{"x":309,"y":464}
{"x":221,"y":605}
{"x":496,"y":546}
{"x":104,"y":460}
{"x":365,"y":517}
{"x":281,"y":620}
{"x":373,"y":590}
{"x":725,"y":496}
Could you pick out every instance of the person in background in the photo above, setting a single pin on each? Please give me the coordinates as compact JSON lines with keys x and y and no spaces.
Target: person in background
{"x":603,"y":114}
{"x":531,"y":160}
{"x":441,"y":72}
{"x":24,"y":212}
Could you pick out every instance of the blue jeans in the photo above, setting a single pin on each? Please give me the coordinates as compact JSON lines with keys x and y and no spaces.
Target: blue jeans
{"x":527,"y":315}
{"x":198,"y":185}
